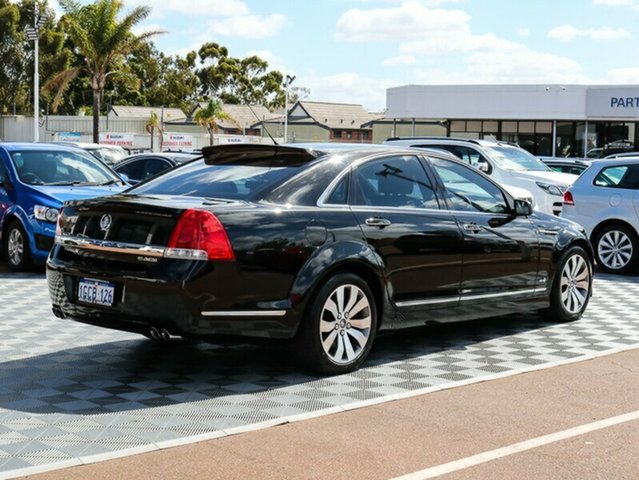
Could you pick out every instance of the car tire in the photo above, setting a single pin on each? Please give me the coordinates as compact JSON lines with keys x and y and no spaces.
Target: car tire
{"x":16,"y":247}
{"x":339,"y":327}
{"x":616,"y":249}
{"x":572,"y":286}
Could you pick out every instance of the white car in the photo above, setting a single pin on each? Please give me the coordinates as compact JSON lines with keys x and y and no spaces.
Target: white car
{"x":604,"y":200}
{"x":507,"y":164}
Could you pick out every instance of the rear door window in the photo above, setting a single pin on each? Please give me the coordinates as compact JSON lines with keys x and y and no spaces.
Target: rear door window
{"x":618,"y":176}
{"x":398,"y":181}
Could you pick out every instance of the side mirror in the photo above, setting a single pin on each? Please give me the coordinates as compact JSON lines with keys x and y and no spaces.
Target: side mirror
{"x":523,"y":208}
{"x":483,"y":166}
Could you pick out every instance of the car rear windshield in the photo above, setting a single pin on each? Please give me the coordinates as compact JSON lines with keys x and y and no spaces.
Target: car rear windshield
{"x":197,"y":179}
{"x":59,"y":167}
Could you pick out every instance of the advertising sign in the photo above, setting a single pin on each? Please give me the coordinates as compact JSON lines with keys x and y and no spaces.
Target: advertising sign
{"x":177,"y":141}
{"x":120,"y":139}
{"x":68,"y":136}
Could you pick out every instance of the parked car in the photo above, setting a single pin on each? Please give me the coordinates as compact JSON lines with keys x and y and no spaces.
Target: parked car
{"x":138,"y":168}
{"x":604,"y":201}
{"x":321,"y":244}
{"x":622,"y":155}
{"x":574,"y":166}
{"x":505,"y":163}
{"x":34,"y":181}
{"x":109,"y":154}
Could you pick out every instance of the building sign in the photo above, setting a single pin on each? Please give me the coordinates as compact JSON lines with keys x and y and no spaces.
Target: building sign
{"x":120,"y":139}
{"x":67,"y":136}
{"x":177,"y":141}
{"x":619,"y":102}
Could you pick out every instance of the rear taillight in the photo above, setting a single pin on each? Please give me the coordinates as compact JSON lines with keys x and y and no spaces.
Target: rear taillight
{"x":58,"y":227}
{"x":199,"y":235}
{"x":568,"y":200}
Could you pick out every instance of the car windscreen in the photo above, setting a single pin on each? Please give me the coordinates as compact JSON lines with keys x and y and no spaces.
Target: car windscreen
{"x":512,"y":158}
{"x":59,"y":167}
{"x":235,"y":181}
{"x":109,"y":156}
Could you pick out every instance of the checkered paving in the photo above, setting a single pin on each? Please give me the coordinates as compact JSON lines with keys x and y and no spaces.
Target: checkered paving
{"x":70,"y":391}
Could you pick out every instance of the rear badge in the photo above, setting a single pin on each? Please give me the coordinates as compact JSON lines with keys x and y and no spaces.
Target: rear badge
{"x":148,"y":259}
{"x":105,"y":222}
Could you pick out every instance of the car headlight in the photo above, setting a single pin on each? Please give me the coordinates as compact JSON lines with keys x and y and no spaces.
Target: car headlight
{"x":46,"y":214}
{"x":550,"y":189}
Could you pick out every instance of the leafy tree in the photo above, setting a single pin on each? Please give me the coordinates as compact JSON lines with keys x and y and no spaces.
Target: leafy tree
{"x":210,"y":115}
{"x":239,"y":81}
{"x":103,"y":40}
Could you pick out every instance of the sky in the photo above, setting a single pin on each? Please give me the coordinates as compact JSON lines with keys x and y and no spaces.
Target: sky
{"x":351,"y":51}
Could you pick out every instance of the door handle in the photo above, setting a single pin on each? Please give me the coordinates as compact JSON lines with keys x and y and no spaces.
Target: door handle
{"x":377,"y":222}
{"x":472,"y":227}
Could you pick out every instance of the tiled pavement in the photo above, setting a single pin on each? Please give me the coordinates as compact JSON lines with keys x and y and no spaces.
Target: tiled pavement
{"x":70,"y":392}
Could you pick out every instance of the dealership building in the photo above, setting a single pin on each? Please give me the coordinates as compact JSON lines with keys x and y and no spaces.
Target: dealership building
{"x":553,"y":120}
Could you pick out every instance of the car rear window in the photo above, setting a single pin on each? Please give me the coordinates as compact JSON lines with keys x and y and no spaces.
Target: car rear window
{"x":197,"y":179}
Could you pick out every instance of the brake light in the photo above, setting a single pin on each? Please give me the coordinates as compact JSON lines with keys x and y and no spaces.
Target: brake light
{"x":568,"y":200}
{"x":58,"y":227}
{"x":199,"y":235}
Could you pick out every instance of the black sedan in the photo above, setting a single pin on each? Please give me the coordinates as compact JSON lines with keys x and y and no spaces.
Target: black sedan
{"x":322,"y":244}
{"x":142,"y":166}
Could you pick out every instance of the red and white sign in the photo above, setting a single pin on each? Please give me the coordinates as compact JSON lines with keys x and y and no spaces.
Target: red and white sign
{"x":176,"y":140}
{"x":120,"y":139}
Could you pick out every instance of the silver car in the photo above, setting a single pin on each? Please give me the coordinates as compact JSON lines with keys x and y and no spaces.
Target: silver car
{"x":605,"y":201}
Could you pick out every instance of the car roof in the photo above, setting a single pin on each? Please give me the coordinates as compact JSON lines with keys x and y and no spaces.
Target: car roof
{"x":616,"y":161}
{"x":14,"y":146}
{"x":175,"y":156}
{"x":87,"y":145}
{"x":449,"y":140}
{"x":570,"y":160}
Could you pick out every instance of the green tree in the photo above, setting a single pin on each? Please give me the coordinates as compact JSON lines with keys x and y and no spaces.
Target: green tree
{"x":240,"y":81}
{"x":210,"y":115}
{"x":103,"y":40}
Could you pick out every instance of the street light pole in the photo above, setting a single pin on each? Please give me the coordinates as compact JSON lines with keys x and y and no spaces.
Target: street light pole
{"x":33,"y":33}
{"x":289,"y":80}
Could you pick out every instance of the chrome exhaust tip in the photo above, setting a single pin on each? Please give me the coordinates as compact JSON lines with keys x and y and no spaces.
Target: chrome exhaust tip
{"x":154,"y":333}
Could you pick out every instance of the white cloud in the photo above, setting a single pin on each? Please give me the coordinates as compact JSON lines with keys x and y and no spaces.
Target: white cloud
{"x":152,"y":27}
{"x":566,"y":33}
{"x":409,"y":21}
{"x":400,"y":60}
{"x":348,"y":88}
{"x":275,"y":62}
{"x":218,"y":8}
{"x":523,"y":32}
{"x":249,"y":26}
{"x":625,"y":76}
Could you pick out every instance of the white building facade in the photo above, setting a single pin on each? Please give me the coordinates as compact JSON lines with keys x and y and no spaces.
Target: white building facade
{"x":552,"y":120}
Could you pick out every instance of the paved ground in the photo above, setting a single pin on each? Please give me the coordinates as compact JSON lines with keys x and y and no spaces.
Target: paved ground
{"x":444,"y":431}
{"x":71,"y":394}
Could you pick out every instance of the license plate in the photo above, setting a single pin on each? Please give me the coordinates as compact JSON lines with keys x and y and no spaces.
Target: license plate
{"x":96,"y":292}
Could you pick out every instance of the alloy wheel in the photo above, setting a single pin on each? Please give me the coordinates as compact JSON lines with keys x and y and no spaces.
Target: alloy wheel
{"x":575,"y":284}
{"x":345,"y":324}
{"x":614,"y":249}
{"x":15,"y":247}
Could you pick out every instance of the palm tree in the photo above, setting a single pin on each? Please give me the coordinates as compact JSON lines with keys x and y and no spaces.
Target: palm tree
{"x":210,"y":115}
{"x":152,"y":124}
{"x":103,"y":40}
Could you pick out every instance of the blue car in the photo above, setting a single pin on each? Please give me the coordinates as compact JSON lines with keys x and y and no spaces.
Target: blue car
{"x":35,"y":180}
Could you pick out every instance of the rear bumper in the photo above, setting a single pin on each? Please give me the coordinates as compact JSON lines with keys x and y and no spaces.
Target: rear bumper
{"x":186,"y":303}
